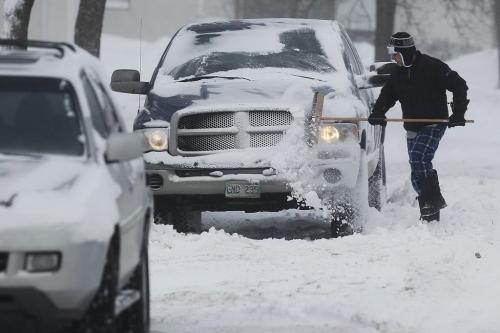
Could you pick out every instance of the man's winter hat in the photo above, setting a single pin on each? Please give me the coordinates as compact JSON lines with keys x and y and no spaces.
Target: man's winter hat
{"x":402,"y":42}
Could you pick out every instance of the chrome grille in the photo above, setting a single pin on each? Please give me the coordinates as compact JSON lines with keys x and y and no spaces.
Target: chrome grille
{"x":219,"y":131}
{"x":270,"y":118}
{"x":3,"y":261}
{"x":206,"y":143}
{"x":265,"y":139}
{"x":207,"y":120}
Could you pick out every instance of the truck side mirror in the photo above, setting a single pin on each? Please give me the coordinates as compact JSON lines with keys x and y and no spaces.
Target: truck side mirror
{"x":377,"y":76}
{"x":383,"y":67}
{"x":128,"y":81}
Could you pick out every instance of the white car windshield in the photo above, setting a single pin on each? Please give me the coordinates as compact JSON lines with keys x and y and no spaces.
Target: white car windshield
{"x":209,"y":48}
{"x":39,"y":116}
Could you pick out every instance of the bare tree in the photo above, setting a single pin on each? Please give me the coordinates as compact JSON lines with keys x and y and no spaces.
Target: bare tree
{"x":17,"y":17}
{"x":496,"y":13}
{"x":300,"y":8}
{"x":386,"y":10}
{"x":237,"y":9}
{"x":88,"y":26}
{"x":325,"y":9}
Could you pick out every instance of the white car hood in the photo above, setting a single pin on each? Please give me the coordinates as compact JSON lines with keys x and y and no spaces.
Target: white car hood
{"x":55,"y":197}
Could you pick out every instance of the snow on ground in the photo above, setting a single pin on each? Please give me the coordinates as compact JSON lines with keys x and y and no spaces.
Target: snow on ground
{"x":399,"y":275}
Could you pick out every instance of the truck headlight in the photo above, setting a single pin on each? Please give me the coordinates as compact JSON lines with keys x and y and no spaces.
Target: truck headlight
{"x":335,"y":132}
{"x":40,"y":262}
{"x":157,"y":139}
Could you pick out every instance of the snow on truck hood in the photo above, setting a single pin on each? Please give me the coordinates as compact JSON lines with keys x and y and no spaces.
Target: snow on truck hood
{"x":50,"y":194}
{"x":249,"y":89}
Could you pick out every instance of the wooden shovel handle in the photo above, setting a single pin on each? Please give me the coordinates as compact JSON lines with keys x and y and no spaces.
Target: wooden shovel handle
{"x":395,"y":120}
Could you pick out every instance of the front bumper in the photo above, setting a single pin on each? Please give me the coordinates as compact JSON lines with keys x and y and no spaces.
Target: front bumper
{"x":190,"y":179}
{"x":28,"y":310}
{"x":58,"y":296}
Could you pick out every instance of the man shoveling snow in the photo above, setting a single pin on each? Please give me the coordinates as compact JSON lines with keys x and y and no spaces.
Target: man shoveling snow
{"x":419,"y":84}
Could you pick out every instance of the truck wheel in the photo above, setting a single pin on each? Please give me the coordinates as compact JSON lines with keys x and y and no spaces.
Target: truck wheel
{"x":185,"y":219}
{"x":348,"y":209}
{"x":100,"y":316}
{"x":181,"y":216}
{"x":136,"y":319}
{"x":377,"y":182}
{"x":162,"y":215}
{"x":343,"y":215}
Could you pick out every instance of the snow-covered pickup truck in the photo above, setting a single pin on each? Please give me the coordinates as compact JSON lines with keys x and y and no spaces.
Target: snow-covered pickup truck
{"x":75,"y":210}
{"x":231,"y":122}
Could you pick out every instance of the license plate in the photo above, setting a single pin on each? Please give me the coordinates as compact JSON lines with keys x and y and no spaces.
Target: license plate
{"x":242,"y":190}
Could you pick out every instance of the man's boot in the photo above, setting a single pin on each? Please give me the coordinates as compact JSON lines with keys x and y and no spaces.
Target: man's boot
{"x":430,"y":218}
{"x":433,"y":200}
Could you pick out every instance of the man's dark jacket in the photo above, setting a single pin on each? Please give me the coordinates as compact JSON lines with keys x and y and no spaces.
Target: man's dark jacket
{"x":421,"y":90}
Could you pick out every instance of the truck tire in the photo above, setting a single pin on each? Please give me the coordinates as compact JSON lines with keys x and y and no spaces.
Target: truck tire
{"x":342,"y":218}
{"x":185,"y":219}
{"x":347,"y":210}
{"x":377,"y":183}
{"x":181,"y":216}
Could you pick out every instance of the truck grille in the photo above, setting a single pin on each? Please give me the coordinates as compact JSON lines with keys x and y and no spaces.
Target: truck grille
{"x":207,"y":132}
{"x":265,"y":139}
{"x":270,"y":118}
{"x":207,"y":120}
{"x":3,"y":261}
{"x":207,"y":143}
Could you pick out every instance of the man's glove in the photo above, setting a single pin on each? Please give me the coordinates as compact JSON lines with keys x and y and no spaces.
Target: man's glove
{"x":457,"y":117}
{"x":377,"y":119}
{"x":456,"y":120}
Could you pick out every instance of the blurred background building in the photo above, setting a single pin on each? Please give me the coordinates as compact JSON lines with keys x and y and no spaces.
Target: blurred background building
{"x":435,"y":29}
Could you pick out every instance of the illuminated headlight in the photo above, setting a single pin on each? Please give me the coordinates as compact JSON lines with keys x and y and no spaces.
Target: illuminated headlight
{"x":42,"y":262}
{"x":335,"y":132}
{"x":157,"y":140}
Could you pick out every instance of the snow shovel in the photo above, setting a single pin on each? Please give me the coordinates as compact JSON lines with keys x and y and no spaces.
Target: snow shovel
{"x":318,"y":101}
{"x":395,"y":120}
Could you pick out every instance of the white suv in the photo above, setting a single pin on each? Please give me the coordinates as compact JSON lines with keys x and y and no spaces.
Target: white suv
{"x":74,"y":209}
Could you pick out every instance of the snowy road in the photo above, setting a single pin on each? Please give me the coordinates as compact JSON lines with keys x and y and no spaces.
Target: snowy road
{"x":399,"y":275}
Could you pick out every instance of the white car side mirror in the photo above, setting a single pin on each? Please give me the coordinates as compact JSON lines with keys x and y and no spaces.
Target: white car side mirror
{"x":122,"y":147}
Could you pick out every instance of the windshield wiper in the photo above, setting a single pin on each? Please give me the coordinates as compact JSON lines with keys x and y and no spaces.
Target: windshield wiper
{"x":203,"y":77}
{"x":303,"y":76}
{"x":20,"y":154}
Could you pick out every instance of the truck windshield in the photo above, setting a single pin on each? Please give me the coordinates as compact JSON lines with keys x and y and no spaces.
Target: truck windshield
{"x":220,"y":47}
{"x":39,"y":116}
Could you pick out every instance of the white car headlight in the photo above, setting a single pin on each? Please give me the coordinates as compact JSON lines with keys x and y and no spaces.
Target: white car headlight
{"x":336,"y":132}
{"x":157,"y":139}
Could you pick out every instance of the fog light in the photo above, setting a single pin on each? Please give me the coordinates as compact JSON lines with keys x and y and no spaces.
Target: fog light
{"x":332,"y":175}
{"x":155,"y":181}
{"x":42,"y":262}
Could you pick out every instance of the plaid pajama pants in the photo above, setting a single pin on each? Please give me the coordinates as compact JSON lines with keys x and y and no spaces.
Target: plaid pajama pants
{"x":421,"y":149}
